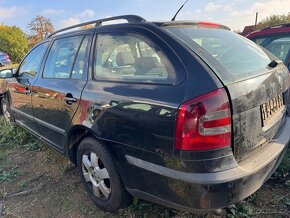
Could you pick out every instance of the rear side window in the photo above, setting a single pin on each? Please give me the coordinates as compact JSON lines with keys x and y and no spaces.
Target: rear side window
{"x":131,"y":57}
{"x":240,"y":57}
{"x":61,"y":57}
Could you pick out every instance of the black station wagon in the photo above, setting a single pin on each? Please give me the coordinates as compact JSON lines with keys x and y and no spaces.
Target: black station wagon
{"x":189,"y":115}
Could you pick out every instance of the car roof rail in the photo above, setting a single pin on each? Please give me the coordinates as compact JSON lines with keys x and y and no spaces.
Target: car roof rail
{"x":277,"y":26}
{"x":129,"y":18}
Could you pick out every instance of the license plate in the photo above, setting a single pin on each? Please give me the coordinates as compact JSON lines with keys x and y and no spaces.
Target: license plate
{"x":271,"y":108}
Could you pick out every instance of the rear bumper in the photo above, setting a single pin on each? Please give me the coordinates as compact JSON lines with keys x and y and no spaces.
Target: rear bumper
{"x":208,"y":191}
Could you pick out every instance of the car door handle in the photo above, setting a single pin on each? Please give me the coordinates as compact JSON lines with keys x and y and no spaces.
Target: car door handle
{"x":27,"y":91}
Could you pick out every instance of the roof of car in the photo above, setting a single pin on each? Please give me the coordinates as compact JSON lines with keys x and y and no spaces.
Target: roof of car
{"x":137,"y":19}
{"x":271,"y":30}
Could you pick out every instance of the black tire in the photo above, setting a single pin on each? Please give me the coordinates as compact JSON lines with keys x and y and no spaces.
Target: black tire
{"x":118,"y":197}
{"x":5,"y":110}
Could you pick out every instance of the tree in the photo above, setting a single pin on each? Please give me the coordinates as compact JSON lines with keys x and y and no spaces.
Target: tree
{"x":13,"y":42}
{"x":274,"y":20}
{"x":40,"y":26}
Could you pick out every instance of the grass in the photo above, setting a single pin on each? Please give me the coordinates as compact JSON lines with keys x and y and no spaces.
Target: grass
{"x":240,"y":211}
{"x":8,"y":176}
{"x":284,"y":169}
{"x":16,"y":137}
{"x":13,"y":137}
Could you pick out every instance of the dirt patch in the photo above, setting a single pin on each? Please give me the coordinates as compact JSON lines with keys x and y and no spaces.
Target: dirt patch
{"x":44,"y":184}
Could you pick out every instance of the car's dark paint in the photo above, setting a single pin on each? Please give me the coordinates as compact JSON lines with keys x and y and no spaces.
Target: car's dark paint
{"x":52,"y":111}
{"x":54,"y":106}
{"x":246,"y":100}
{"x":141,"y":139}
{"x":19,"y":92}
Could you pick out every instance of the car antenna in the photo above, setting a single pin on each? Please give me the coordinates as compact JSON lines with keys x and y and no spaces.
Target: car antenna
{"x":173,"y":19}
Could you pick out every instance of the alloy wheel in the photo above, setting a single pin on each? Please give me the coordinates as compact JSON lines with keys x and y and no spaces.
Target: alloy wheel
{"x":96,"y":174}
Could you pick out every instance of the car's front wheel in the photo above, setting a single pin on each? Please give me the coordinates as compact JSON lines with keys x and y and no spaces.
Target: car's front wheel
{"x":100,"y":176}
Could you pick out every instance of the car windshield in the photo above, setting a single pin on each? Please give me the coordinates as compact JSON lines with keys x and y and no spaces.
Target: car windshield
{"x":239,"y":57}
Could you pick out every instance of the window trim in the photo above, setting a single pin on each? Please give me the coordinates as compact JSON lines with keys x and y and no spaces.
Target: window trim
{"x":142,"y":36}
{"x":86,"y":59}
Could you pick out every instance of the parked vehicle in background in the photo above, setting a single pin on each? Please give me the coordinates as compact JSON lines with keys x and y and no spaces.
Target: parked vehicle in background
{"x":4,"y":59}
{"x":189,"y":115}
{"x":276,"y":39}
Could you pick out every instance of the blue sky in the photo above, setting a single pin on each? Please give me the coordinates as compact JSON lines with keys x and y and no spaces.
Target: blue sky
{"x":233,"y":13}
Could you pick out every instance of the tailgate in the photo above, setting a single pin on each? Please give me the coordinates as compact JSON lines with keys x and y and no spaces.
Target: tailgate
{"x":258,"y":107}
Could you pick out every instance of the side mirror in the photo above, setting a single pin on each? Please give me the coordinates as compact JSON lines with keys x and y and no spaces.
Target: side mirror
{"x":6,"y":73}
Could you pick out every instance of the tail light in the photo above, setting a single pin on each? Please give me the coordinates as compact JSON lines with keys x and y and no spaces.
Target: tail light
{"x":7,"y":56}
{"x":204,"y":122}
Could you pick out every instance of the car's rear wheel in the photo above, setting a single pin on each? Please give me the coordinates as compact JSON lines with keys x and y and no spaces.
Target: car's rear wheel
{"x":6,"y":110}
{"x":100,"y":176}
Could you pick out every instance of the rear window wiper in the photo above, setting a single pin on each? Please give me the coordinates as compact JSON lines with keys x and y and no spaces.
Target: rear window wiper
{"x":273,"y":64}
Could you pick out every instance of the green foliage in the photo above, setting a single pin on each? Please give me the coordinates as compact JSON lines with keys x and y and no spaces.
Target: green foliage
{"x":240,"y":211}
{"x":16,"y":137}
{"x":13,"y":42}
{"x":283,"y":170}
{"x":7,"y":176}
{"x":145,"y":209}
{"x":274,"y":20}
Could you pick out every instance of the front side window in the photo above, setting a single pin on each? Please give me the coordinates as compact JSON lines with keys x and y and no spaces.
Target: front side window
{"x":131,"y":57}
{"x":31,"y":64}
{"x":61,"y":57}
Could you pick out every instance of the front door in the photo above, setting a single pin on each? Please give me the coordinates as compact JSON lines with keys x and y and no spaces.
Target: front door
{"x":57,"y":92}
{"x":20,"y":87}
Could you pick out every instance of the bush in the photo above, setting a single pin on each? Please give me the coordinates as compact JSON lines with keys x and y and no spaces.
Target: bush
{"x":13,"y":42}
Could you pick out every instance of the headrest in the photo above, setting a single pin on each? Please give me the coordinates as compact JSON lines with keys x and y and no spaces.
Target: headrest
{"x":144,"y":64}
{"x":124,"y":59}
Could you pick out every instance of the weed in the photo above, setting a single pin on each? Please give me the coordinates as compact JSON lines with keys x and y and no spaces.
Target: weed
{"x":8,"y":176}
{"x":14,"y":136}
{"x":252,"y":198}
{"x":284,"y":169}
{"x":87,"y":210}
{"x":23,"y":185}
{"x":240,"y":211}
{"x":3,"y":193}
{"x":33,"y":146}
{"x":286,"y":201}
{"x":145,"y":209}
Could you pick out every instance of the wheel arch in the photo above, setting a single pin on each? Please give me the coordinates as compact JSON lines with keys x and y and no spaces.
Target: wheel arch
{"x":75,"y":135}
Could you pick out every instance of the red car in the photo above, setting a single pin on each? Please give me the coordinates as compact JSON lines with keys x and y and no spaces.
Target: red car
{"x":276,"y":39}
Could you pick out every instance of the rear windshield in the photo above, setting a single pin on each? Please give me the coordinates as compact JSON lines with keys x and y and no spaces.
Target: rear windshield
{"x":239,"y":57}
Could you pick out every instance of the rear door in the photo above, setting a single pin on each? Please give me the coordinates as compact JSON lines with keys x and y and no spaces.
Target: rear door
{"x":56,"y":94}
